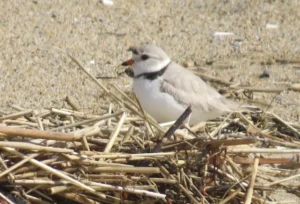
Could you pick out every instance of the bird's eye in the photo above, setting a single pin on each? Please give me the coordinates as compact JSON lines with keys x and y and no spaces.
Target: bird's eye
{"x":144,"y":57}
{"x":135,"y":52}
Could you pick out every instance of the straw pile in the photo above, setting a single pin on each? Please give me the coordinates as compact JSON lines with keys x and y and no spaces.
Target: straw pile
{"x":66,"y":155}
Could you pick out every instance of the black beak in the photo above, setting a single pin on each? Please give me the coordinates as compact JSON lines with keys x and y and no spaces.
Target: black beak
{"x":129,"y":72}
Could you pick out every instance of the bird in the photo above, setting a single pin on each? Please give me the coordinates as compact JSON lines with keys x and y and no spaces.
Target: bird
{"x":165,"y":89}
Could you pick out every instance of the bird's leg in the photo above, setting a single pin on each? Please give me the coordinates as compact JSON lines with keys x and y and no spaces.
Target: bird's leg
{"x":182,"y":133}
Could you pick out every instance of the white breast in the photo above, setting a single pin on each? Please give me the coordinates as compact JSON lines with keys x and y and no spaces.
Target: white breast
{"x":161,"y":106}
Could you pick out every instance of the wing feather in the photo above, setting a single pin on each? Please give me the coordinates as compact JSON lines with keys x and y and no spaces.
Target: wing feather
{"x":189,"y":89}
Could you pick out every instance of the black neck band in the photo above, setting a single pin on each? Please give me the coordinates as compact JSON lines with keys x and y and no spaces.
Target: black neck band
{"x":153,"y":75}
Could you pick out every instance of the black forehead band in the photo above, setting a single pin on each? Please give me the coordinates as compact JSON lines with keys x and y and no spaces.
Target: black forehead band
{"x":133,"y":50}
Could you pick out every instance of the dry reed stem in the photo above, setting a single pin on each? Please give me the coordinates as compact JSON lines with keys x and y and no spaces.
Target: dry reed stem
{"x":263,"y":89}
{"x":255,"y":198}
{"x":41,"y":181}
{"x":5,"y":199}
{"x":293,"y":144}
{"x":61,"y":112}
{"x":287,"y":125}
{"x":33,"y":147}
{"x":110,"y":109}
{"x":274,"y":139}
{"x":55,"y":172}
{"x":20,"y":163}
{"x":33,"y":199}
{"x":200,"y":143}
{"x":252,"y":180}
{"x":94,"y":131}
{"x":23,"y":170}
{"x":243,"y":160}
{"x":106,"y":187}
{"x":93,"y":120}
{"x":229,"y":176}
{"x":78,"y":198}
{"x":134,"y":138}
{"x":134,"y":170}
{"x":60,"y":189}
{"x":38,"y":120}
{"x":75,"y":114}
{"x":280,"y":181}
{"x":85,"y":143}
{"x":16,"y":115}
{"x":126,"y":96}
{"x":10,"y":175}
{"x":114,"y":134}
{"x":71,"y":102}
{"x":41,"y":194}
{"x":195,"y":188}
{"x":122,"y":155}
{"x":91,"y":76}
{"x":231,"y":196}
{"x":264,"y":150}
{"x":188,"y":194}
{"x":31,"y":174}
{"x":166,"y":174}
{"x":219,"y":128}
{"x":127,"y":135}
{"x":103,"y":164}
{"x":132,"y":178}
{"x":20,"y":122}
{"x":234,"y":166}
{"x":12,"y":132}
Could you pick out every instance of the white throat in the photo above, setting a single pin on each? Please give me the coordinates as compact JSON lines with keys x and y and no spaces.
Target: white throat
{"x":148,"y":69}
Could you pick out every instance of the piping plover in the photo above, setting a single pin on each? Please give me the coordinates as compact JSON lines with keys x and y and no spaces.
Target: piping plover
{"x":165,"y":89}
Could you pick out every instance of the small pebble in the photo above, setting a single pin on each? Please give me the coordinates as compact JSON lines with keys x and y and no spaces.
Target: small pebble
{"x":271,"y":26}
{"x":223,"y":34}
{"x":279,"y":99}
{"x":107,"y":2}
{"x":265,"y":74}
{"x":236,"y":44}
{"x":188,"y":64}
{"x":53,"y":15}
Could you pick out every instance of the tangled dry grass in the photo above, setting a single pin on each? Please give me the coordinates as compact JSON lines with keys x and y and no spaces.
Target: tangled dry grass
{"x":123,"y":156}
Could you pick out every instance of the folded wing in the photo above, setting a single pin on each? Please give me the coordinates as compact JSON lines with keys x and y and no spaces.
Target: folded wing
{"x":189,"y":89}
